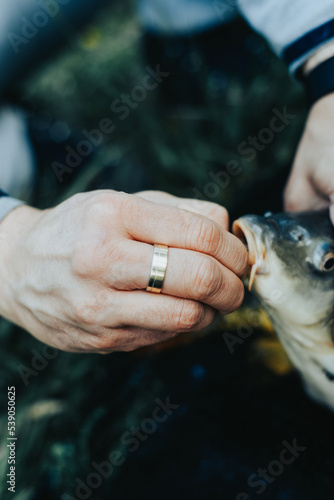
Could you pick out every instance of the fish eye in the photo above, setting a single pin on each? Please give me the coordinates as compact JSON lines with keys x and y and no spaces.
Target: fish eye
{"x":328,"y":264}
{"x":323,"y":259}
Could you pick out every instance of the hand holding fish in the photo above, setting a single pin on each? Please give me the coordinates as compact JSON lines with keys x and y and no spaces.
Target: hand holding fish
{"x":75,"y":276}
{"x":311,"y":182}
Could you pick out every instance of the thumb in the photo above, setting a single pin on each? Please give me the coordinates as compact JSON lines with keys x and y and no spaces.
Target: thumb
{"x":301,"y":194}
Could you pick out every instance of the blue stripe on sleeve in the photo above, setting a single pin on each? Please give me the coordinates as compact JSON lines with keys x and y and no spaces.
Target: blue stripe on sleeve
{"x":309,"y":41}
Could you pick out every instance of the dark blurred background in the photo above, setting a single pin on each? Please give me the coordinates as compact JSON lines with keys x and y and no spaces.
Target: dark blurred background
{"x":234,"y":408}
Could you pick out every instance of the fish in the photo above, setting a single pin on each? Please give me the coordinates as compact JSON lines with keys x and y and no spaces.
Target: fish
{"x":291,"y":271}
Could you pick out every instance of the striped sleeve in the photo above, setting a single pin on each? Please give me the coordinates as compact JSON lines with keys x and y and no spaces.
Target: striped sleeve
{"x":294,"y":28}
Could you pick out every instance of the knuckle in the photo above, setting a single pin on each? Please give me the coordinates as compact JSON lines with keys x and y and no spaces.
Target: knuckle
{"x":84,"y":258}
{"x":220,"y":215}
{"x":236,"y":297}
{"x":239,"y":296}
{"x":223,"y":212}
{"x":205,"y":234}
{"x":93,"y":236}
{"x":85,"y":313}
{"x":90,"y":256}
{"x":97,"y":207}
{"x":237,"y":255}
{"x":127,"y":205}
{"x":97,"y":343}
{"x":242,"y":259}
{"x":109,"y":199}
{"x":206,"y":280}
{"x":188,"y":316}
{"x":79,"y":340}
{"x":103,"y":206}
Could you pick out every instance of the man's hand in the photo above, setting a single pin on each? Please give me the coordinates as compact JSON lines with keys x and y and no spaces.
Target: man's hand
{"x":75,"y":275}
{"x":311,"y":182}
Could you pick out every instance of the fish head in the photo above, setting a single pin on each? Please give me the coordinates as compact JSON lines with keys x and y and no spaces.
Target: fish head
{"x":291,"y":261}
{"x":291,"y":270}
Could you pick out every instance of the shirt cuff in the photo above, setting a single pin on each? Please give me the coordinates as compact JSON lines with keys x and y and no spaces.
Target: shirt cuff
{"x":7,"y":204}
{"x":320,"y":81}
{"x":300,"y":51}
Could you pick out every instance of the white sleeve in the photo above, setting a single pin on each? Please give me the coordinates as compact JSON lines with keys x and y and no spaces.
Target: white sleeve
{"x":293,"y":28}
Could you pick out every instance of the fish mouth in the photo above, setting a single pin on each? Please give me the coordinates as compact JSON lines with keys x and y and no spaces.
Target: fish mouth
{"x":250,"y":234}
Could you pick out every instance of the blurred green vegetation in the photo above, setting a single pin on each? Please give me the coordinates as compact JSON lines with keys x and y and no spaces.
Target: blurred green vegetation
{"x":74,"y":411}
{"x":174,"y":152}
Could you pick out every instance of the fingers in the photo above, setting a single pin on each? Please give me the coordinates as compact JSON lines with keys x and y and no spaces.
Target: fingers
{"x":211,"y":210}
{"x":189,"y":275}
{"x":118,"y":339}
{"x":162,"y":313}
{"x":131,"y":338}
{"x":152,"y":223}
{"x":107,"y":321}
{"x":199,"y":277}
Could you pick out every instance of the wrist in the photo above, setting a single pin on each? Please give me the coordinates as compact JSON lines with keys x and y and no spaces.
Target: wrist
{"x":13,"y":230}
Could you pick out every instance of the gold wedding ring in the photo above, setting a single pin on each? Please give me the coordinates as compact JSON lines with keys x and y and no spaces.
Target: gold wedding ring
{"x":158,"y":268}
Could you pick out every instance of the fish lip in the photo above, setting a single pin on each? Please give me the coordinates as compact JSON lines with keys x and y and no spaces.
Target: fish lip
{"x":242,"y":229}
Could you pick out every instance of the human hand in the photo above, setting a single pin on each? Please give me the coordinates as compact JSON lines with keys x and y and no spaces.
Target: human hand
{"x":311,"y":182}
{"x":75,"y":275}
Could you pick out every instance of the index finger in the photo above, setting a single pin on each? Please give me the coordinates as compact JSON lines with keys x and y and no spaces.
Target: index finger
{"x":152,"y":223}
{"x":202,"y":207}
